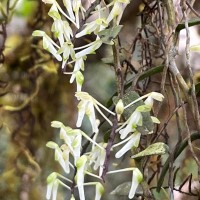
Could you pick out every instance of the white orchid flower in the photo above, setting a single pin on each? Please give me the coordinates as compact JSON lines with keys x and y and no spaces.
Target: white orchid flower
{"x":55,"y":4}
{"x":67,"y":50}
{"x":52,"y":186}
{"x":60,"y":27}
{"x":153,"y":96}
{"x":67,"y":31}
{"x":94,"y":26}
{"x":62,"y":31}
{"x":133,"y":142}
{"x":134,"y":120}
{"x":86,"y":106}
{"x":79,"y":79}
{"x":73,"y":138}
{"x":117,"y":10}
{"x":137,"y":178}
{"x":81,"y":167}
{"x":57,"y":28}
{"x":76,"y":74}
{"x":97,"y":156}
{"x":76,"y":145}
{"x":58,"y":155}
{"x":79,"y":65}
{"x":90,"y":48}
{"x":48,"y":44}
{"x":66,"y":155}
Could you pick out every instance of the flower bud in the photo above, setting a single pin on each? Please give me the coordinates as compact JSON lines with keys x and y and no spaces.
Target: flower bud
{"x":52,"y":177}
{"x":79,"y":80}
{"x":119,"y":109}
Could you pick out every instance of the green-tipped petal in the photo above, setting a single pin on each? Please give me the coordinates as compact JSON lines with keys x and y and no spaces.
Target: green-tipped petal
{"x":56,"y":124}
{"x":137,"y":178}
{"x":51,"y":145}
{"x":99,"y":191}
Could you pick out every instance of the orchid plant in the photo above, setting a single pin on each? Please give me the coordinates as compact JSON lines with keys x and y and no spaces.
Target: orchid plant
{"x":70,"y":153}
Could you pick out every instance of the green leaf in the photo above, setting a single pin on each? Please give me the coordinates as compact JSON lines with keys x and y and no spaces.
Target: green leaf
{"x":163,"y":194}
{"x":109,"y":34}
{"x":142,"y":76}
{"x":147,"y":125}
{"x":122,"y":189}
{"x":158,"y":148}
{"x":192,"y":22}
{"x":197,"y":89}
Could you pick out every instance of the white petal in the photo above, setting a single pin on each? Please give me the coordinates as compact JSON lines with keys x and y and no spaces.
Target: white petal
{"x":66,"y":158}
{"x":149,"y":101}
{"x":89,"y":49}
{"x":136,"y":180}
{"x":87,"y":30}
{"x":125,"y":131}
{"x":134,"y":186}
{"x":80,"y":164}
{"x":92,"y":118}
{"x":157,"y":96}
{"x":49,"y":190}
{"x":60,"y":159}
{"x":81,"y":112}
{"x":77,"y":147}
{"x":132,"y":142}
{"x":116,"y":10}
{"x":133,"y":121}
{"x":99,"y":191}
{"x":55,"y":189}
{"x":68,"y":5}
{"x":63,"y":64}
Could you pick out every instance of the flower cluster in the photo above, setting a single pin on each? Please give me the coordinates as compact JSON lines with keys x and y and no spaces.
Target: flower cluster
{"x":69,"y":154}
{"x":69,"y":151}
{"x":128,"y":131}
{"x":65,"y":51}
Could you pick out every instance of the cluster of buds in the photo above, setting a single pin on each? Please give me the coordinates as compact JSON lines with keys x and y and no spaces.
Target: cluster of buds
{"x":69,"y":155}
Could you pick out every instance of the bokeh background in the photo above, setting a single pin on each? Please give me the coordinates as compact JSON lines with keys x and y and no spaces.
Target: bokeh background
{"x":34,"y":92}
